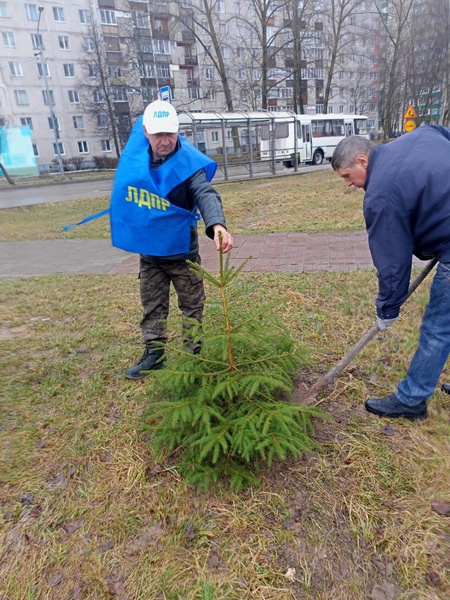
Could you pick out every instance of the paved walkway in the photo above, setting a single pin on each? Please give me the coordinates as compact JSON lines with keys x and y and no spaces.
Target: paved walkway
{"x":271,"y":252}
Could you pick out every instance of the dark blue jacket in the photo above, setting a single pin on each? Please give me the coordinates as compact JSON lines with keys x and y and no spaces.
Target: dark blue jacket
{"x":407,"y":209}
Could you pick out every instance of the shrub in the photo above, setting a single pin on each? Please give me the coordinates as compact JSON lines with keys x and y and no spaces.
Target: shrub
{"x":228,"y":410}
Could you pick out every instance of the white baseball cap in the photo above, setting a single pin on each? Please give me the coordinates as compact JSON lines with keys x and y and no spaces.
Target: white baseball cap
{"x":160,"y":117}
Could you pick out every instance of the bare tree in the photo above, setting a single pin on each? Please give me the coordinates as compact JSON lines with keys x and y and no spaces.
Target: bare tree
{"x":340,"y":36}
{"x":202,"y":21}
{"x":396,"y":43}
{"x":103,"y":90}
{"x":427,"y":64}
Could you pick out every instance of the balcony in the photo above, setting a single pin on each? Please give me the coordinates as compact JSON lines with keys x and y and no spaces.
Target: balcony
{"x":191,"y":61}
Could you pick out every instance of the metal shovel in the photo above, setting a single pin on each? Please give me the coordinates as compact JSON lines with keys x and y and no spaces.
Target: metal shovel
{"x":356,"y":349}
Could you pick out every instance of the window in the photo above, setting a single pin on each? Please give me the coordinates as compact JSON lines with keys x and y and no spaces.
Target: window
{"x":141,"y":20}
{"x":98,"y":96}
{"x":157,"y":25}
{"x":9,"y":40}
{"x":210,"y":96}
{"x":243,"y":95}
{"x":74,"y":97}
{"x":371,"y":107}
{"x":58,"y":14}
{"x":114,"y":71}
{"x":341,"y":108}
{"x":60,"y":146}
{"x":83,"y":147}
{"x":88,"y":45}
{"x":240,"y":52}
{"x":15,"y":69}
{"x":94,"y":70}
{"x":256,"y":74}
{"x":119,"y":94}
{"x":105,"y":145}
{"x":32,"y":12}
{"x":221,"y":6}
{"x":102,"y":121}
{"x":35,"y":150}
{"x":193,"y":93}
{"x":241,"y":74}
{"x":224,"y":51}
{"x":214,"y":137}
{"x":209,"y":73}
{"x":237,"y":8}
{"x":26,"y":122}
{"x":85,"y":16}
{"x":63,"y":41}
{"x":107,"y":17}
{"x":78,"y":122}
{"x":69,"y":70}
{"x":51,"y":122}
{"x":161,"y":46}
{"x":164,"y":70}
{"x":21,"y":97}
{"x":43,"y":70}
{"x":4,"y":12}
{"x":36,"y":41}
{"x":48,"y":97}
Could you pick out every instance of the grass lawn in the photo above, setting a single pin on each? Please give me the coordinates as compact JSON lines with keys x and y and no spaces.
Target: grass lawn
{"x":88,"y":511}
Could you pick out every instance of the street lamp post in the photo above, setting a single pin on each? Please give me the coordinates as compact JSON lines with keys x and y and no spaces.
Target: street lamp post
{"x":53,"y":118}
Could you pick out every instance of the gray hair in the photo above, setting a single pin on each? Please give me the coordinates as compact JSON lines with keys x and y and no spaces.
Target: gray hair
{"x":348,"y":149}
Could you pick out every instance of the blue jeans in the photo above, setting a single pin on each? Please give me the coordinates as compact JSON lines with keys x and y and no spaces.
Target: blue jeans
{"x":434,"y":343}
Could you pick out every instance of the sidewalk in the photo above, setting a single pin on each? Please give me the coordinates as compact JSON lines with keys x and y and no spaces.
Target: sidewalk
{"x":271,"y":252}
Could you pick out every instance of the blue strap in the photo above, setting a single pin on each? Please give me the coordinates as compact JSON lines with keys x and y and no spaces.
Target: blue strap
{"x":87,"y":219}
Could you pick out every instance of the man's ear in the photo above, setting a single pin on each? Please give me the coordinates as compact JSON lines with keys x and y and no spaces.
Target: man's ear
{"x":362,"y":160}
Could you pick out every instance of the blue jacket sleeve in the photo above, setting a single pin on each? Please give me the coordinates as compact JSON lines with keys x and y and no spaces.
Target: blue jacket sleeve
{"x":391,"y":247}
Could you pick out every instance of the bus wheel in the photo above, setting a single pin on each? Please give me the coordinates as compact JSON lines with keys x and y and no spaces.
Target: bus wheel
{"x":317,"y":158}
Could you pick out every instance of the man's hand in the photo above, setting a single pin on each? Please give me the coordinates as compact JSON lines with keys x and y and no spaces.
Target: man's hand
{"x":227,"y":238}
{"x":383,"y":324}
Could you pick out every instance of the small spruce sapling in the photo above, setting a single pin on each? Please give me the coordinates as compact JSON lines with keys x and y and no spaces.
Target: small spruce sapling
{"x":228,"y":410}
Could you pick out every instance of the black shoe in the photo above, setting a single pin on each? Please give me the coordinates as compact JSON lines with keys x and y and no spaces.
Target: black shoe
{"x":392,"y":407}
{"x":446,"y":388}
{"x":152,"y":360}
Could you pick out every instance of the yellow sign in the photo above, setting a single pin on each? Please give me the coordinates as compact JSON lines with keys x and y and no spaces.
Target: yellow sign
{"x":410,"y":113}
{"x":409,"y":125}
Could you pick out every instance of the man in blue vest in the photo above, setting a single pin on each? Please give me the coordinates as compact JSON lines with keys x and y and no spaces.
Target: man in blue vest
{"x":161,"y":181}
{"x":407,"y":211}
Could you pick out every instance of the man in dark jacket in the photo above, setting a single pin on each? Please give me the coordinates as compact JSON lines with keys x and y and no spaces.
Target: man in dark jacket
{"x":160,"y":182}
{"x":407,"y":211}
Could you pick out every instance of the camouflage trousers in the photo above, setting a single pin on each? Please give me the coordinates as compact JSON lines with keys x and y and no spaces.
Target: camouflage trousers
{"x":155,"y":278}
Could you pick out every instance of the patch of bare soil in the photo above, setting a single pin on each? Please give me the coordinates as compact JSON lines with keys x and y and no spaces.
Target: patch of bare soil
{"x":325,"y":560}
{"x":9,"y":333}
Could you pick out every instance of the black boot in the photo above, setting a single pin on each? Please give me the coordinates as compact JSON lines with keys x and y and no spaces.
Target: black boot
{"x":152,"y":360}
{"x":446,"y":388}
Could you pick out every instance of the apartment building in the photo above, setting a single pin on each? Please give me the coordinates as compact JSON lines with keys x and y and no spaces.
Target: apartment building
{"x":78,"y":72}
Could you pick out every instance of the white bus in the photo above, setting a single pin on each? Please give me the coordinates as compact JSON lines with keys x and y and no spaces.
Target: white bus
{"x":315,"y":138}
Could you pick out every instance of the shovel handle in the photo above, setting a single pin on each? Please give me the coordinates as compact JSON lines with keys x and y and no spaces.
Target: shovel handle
{"x":366,"y":338}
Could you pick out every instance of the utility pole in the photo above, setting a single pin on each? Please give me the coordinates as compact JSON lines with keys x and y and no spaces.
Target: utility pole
{"x":53,"y":118}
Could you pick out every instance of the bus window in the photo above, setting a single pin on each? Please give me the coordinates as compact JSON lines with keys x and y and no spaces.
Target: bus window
{"x":281,"y":131}
{"x":361,"y":126}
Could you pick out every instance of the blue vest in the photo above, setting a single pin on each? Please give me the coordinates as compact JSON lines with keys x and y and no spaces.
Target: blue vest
{"x":142,"y":219}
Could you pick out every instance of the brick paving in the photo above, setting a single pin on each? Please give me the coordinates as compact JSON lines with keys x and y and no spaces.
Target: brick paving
{"x":270,"y":252}
{"x":285,"y":252}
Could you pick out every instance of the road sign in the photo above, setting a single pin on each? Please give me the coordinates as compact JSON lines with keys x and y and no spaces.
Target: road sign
{"x":165,"y":93}
{"x":410,"y":113}
{"x":409,"y":125}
